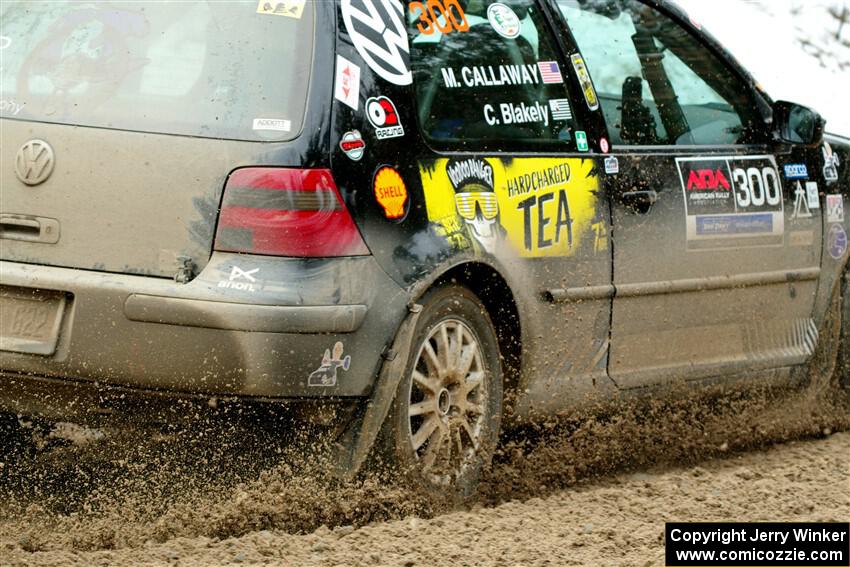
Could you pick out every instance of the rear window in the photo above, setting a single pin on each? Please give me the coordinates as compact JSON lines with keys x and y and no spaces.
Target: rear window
{"x":235,"y":70}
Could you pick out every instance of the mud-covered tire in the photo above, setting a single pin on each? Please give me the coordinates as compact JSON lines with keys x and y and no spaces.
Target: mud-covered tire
{"x":444,"y":422}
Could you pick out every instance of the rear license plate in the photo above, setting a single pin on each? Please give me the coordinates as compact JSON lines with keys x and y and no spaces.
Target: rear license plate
{"x":30,"y":319}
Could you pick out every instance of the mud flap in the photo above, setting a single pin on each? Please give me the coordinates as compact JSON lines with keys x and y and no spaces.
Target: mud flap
{"x":357,"y":440}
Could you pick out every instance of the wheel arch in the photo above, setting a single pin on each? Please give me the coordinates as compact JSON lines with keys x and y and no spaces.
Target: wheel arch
{"x":493,"y":290}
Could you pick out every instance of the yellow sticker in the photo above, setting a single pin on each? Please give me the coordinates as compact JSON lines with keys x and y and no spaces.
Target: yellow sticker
{"x":288,"y":8}
{"x":390,"y":192}
{"x":544,"y":207}
{"x":586,"y":83}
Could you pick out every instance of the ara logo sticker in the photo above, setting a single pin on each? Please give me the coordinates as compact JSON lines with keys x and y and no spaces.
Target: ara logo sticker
{"x":347,"y":87}
{"x":390,"y":192}
{"x":288,"y":8}
{"x":796,"y":171}
{"x":830,"y":163}
{"x":581,"y":141}
{"x":834,"y":208}
{"x":377,"y":30}
{"x":612,"y":165}
{"x":241,"y":280}
{"x":503,"y":20}
{"x":837,"y":241}
{"x":708,"y":179}
{"x":326,"y":374}
{"x":383,"y":116}
{"x":352,"y":145}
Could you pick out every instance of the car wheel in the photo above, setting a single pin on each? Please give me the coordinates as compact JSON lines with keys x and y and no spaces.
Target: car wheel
{"x":444,"y":423}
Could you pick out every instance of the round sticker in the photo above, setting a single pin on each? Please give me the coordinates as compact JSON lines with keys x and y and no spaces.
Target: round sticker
{"x":390,"y":192}
{"x":353,"y":145}
{"x":603,"y":145}
{"x":837,"y":241}
{"x":504,"y":20}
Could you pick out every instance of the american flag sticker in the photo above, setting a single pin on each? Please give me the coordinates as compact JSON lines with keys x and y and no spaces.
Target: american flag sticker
{"x":560,"y":109}
{"x":550,"y":72}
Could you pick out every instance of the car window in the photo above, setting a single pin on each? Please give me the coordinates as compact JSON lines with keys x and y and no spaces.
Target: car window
{"x":658,"y":85}
{"x":212,"y":69}
{"x":487,"y":76}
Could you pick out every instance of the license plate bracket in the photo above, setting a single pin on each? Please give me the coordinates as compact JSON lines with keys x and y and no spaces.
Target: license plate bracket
{"x":31,"y":319}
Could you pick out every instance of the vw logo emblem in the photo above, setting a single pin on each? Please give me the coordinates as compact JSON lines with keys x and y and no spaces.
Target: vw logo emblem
{"x":34,"y":162}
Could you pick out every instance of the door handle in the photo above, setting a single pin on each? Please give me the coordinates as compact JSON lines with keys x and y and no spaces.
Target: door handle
{"x":639,"y":202}
{"x":29,"y":228}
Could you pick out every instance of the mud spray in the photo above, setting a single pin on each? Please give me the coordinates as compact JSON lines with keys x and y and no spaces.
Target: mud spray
{"x":129,"y":488}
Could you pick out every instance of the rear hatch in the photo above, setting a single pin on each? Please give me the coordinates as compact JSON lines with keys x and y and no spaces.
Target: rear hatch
{"x":119,"y":122}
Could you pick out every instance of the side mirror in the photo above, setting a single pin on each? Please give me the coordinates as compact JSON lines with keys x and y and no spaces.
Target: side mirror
{"x":796,"y":124}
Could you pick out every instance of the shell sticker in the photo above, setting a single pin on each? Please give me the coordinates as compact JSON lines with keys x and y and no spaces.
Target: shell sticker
{"x":390,"y":192}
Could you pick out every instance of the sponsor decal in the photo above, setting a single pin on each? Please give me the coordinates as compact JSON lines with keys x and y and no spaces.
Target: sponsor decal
{"x":550,"y":72}
{"x":581,"y":141}
{"x":586,"y":84}
{"x":390,"y":192}
{"x":538,"y":207}
{"x":383,"y":116}
{"x":347,"y":86}
{"x":732,"y":198}
{"x":352,"y":145}
{"x":491,"y":76}
{"x":837,"y":241}
{"x":813,"y":194}
{"x":326,"y":374}
{"x":796,"y":171}
{"x":801,"y":238}
{"x":503,"y":20}
{"x":272,"y":124}
{"x":288,"y":8}
{"x":241,"y":280}
{"x":612,"y":165}
{"x":444,"y":16}
{"x":11,"y":106}
{"x":830,"y":163}
{"x":516,"y":114}
{"x":377,"y":30}
{"x":560,"y":108}
{"x":801,"y":204}
{"x":603,"y":145}
{"x":834,"y":208}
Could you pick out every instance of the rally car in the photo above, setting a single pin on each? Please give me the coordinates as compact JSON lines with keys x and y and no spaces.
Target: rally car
{"x":431,"y":213}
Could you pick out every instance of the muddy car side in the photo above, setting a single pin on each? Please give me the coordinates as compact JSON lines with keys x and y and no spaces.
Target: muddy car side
{"x":490,"y":211}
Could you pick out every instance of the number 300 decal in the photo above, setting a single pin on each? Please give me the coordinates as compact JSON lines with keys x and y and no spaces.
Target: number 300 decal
{"x":755,"y":187}
{"x":443,"y":15}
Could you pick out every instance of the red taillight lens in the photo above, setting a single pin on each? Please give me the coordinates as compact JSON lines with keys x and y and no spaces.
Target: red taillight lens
{"x":286,"y":212}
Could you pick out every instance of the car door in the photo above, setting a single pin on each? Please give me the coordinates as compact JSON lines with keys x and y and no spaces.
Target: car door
{"x":715,"y":238}
{"x":507,"y":178}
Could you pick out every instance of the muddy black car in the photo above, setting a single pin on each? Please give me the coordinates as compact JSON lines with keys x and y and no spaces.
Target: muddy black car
{"x":435,"y":213}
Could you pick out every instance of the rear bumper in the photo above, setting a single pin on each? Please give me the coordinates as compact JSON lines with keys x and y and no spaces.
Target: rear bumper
{"x":247,"y":326}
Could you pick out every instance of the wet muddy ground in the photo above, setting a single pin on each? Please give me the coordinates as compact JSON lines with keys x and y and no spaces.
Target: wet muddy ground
{"x":587,"y":489}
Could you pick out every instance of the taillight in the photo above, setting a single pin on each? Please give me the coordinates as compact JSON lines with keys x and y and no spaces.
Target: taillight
{"x":286,"y":212}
